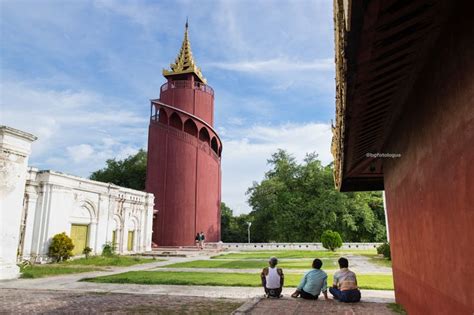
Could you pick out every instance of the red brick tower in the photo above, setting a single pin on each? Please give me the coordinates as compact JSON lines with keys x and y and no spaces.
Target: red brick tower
{"x":184,"y":156}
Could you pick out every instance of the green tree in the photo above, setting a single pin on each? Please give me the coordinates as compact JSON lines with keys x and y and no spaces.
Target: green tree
{"x":226,"y":218}
{"x":129,"y":172}
{"x":331,"y":240}
{"x":298,"y":202}
{"x":61,"y":247}
{"x":108,"y":249}
{"x":233,"y":228}
{"x":384,"y":249}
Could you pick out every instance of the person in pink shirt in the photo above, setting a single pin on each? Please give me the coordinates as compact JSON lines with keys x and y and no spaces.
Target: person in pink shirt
{"x":345,"y":287}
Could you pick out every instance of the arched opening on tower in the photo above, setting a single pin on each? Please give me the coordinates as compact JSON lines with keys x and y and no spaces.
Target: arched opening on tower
{"x":176,"y":122}
{"x":204,"y":135}
{"x":163,"y":116}
{"x":190,"y":127}
{"x":214,"y":145}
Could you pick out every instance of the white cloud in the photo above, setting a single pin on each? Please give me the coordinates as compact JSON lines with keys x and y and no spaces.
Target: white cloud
{"x":80,"y":153}
{"x":236,"y":121}
{"x":245,"y":155}
{"x":139,"y":14}
{"x":274,"y":65}
{"x":90,"y":127}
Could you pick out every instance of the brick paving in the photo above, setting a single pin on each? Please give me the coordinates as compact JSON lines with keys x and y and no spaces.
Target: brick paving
{"x":287,"y":306}
{"x":14,"y":301}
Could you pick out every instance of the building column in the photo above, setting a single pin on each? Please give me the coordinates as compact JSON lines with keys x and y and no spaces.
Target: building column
{"x":30,"y":212}
{"x":15,"y":148}
{"x":112,"y":209}
{"x":102,"y":228}
{"x":148,"y":229}
{"x":126,"y":222}
{"x":386,"y":216}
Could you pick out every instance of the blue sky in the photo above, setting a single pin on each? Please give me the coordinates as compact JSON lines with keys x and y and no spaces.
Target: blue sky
{"x":79,"y":75}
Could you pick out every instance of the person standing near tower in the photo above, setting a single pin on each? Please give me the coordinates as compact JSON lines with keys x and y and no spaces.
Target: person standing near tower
{"x":197,"y":240}
{"x":201,"y":239}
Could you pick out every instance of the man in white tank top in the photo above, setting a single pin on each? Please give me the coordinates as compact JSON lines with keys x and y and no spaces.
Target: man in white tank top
{"x":272,"y":279}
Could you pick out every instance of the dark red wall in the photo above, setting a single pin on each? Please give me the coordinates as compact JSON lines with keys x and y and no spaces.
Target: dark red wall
{"x":430,"y":189}
{"x":183,"y":172}
{"x":194,"y":101}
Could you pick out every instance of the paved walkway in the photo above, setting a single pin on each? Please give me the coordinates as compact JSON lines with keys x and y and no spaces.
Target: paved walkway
{"x":65,"y":293}
{"x":362,"y":264}
{"x":39,"y":301}
{"x":15,"y":301}
{"x":71,"y":283}
{"x":286,"y":306}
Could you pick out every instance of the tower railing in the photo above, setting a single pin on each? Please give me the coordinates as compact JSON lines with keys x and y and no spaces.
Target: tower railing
{"x":155,"y":118}
{"x":186,"y":84}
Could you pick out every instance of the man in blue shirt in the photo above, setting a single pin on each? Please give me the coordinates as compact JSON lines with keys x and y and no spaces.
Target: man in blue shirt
{"x":313,"y":283}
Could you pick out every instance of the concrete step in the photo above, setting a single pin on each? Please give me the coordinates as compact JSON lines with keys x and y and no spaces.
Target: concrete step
{"x":163,"y":254}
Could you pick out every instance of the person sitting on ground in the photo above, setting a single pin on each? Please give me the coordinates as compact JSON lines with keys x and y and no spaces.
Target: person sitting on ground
{"x":272,"y":279}
{"x":313,"y":283}
{"x":344,"y":287}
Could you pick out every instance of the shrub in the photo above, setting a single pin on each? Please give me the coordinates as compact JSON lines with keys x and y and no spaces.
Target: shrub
{"x":61,"y":247}
{"x":87,"y":250}
{"x":331,"y":240}
{"x":384,"y":250}
{"x":108,"y":250}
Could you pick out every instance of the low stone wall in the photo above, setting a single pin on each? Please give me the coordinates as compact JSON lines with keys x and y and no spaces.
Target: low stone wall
{"x":289,"y":246}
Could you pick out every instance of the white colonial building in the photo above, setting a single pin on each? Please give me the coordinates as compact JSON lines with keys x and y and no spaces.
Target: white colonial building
{"x":36,"y":205}
{"x":92,"y":213}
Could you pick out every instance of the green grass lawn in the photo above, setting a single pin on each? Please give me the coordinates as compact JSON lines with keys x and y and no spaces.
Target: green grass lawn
{"x":122,"y":261}
{"x":46,"y":270}
{"x":294,"y":254}
{"x":375,"y":282}
{"x":93,"y":263}
{"x":328,"y":264}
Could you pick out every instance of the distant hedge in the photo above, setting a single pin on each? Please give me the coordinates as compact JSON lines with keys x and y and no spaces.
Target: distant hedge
{"x":384,"y":250}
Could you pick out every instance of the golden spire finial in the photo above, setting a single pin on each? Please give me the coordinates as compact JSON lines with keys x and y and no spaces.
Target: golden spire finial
{"x":184,"y":62}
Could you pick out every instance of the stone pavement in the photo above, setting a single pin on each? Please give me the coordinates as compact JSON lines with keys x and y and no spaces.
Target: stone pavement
{"x":14,"y":301}
{"x":55,"y":302}
{"x":286,"y":306}
{"x":377,"y":296}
